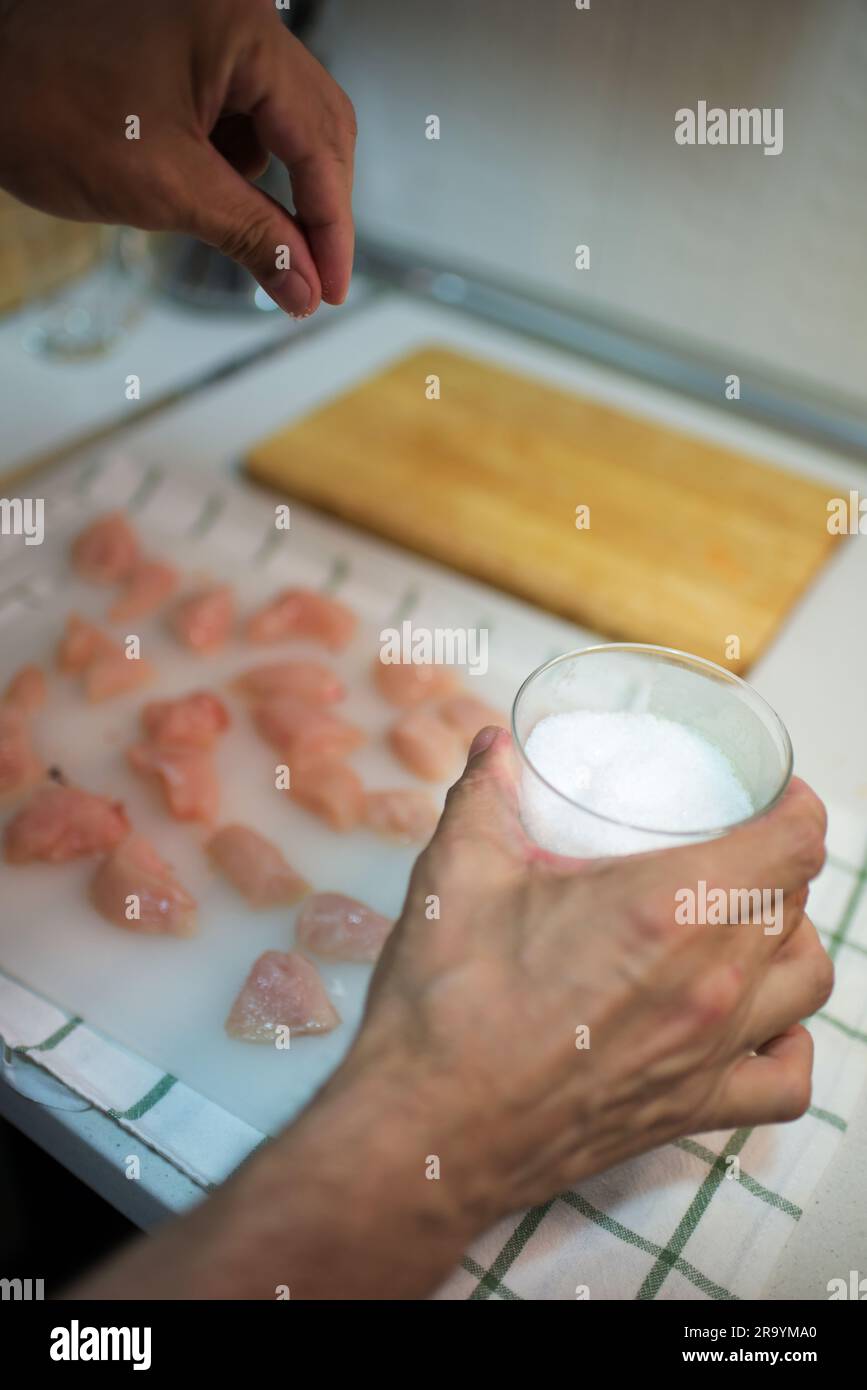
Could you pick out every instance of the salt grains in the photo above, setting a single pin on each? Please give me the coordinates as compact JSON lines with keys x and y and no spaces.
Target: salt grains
{"x":636,"y":769}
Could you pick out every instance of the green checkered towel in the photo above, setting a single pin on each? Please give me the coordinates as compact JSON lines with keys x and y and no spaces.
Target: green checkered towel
{"x":682,"y":1222}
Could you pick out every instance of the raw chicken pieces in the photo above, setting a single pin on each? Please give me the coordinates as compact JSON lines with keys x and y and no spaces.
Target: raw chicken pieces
{"x":303,"y":613}
{"x":106,"y":551}
{"x":194,"y":721}
{"x":282,"y":991}
{"x":426,"y":745}
{"x":255,"y":867}
{"x":204,"y":621}
{"x":187,"y":777}
{"x":308,"y":680}
{"x":146,"y":588}
{"x":299,"y":731}
{"x":178,"y":750}
{"x":466,"y":715}
{"x":410,"y":683}
{"x":404,"y":814}
{"x":26,"y":690}
{"x":19,"y":765}
{"x":81,"y":644}
{"x":133,"y":888}
{"x":105,"y":668}
{"x":114,"y":673}
{"x":432,"y":741}
{"x":330,"y":790}
{"x":61,"y":823}
{"x":341,"y":928}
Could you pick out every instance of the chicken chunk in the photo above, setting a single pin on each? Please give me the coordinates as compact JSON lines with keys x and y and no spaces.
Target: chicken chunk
{"x":81,"y":644}
{"x":282,"y":991}
{"x":403,"y":814}
{"x":26,"y":690}
{"x":340,"y":928}
{"x":204,"y":621}
{"x":330,"y":790}
{"x":303,"y":613}
{"x":61,"y":823}
{"x":19,"y":765}
{"x":426,"y":745}
{"x":307,"y":680}
{"x":133,"y":888}
{"x":192,"y":721}
{"x":466,"y":715}
{"x":105,"y":551}
{"x":409,"y":683}
{"x":255,"y":867}
{"x":146,"y":588}
{"x":299,"y":731}
{"x":187,"y":776}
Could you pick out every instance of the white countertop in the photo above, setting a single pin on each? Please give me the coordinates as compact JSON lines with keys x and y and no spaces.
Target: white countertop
{"x":815,"y":674}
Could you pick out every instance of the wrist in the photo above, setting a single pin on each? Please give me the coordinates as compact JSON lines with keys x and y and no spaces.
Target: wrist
{"x":382,"y":1162}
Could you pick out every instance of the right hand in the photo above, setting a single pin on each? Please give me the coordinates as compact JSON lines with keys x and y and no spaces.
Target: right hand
{"x":692,"y":1028}
{"x":217,"y":86}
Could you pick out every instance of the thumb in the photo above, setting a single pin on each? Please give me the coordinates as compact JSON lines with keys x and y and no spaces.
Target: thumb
{"x":484,"y":800}
{"x":224,"y":210}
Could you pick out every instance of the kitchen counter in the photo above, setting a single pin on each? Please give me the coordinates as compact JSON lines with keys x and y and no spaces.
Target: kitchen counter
{"x":814,"y":674}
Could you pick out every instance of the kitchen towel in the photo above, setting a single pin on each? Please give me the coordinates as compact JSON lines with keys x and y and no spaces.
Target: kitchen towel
{"x":683,"y":1222}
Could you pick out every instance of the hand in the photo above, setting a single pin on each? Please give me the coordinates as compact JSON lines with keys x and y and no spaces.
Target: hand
{"x":691,"y":1028}
{"x":217,"y":85}
{"x":467,"y":1053}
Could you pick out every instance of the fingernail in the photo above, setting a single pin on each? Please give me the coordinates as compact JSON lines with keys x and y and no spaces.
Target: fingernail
{"x":482,"y":741}
{"x":293,"y":294}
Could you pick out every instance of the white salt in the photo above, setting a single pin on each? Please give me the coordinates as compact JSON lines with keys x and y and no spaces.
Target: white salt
{"x":644,"y":772}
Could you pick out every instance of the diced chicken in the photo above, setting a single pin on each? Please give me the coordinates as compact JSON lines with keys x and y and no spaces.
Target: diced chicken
{"x":255,"y":867}
{"x":192,"y":721}
{"x":61,"y":823}
{"x":149,"y":584}
{"x":330,"y":790}
{"x":19,"y":765}
{"x":187,"y":776}
{"x":282,"y":991}
{"x":299,"y":731}
{"x":308,"y":680}
{"x":26,"y":690}
{"x":303,"y":613}
{"x":133,"y":888}
{"x":114,"y":673}
{"x":205,"y":620}
{"x":466,"y":715}
{"x":404,"y":814}
{"x":340,"y":928}
{"x":426,"y":745}
{"x":411,"y":683}
{"x":81,"y":644}
{"x":105,"y":551}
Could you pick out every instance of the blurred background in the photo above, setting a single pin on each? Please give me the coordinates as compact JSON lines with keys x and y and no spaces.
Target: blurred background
{"x":556,"y":130}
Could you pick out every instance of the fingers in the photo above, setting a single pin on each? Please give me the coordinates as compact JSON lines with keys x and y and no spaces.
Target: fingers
{"x":236,"y":139}
{"x":223,"y":209}
{"x":796,"y":984}
{"x":481,"y":810}
{"x":307,"y":121}
{"x":781,"y":851}
{"x":772,"y":1087}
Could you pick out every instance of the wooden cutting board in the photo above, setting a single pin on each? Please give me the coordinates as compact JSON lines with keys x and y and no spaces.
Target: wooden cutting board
{"x":688,"y":543}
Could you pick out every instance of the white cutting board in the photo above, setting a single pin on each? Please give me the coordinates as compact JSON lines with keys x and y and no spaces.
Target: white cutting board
{"x":166,"y":998}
